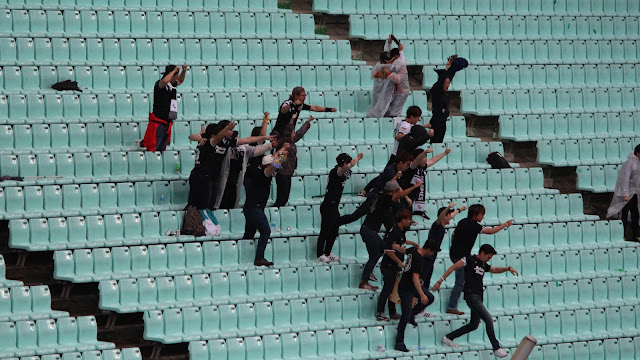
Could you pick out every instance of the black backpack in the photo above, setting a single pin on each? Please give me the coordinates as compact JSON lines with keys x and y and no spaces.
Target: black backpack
{"x":497,"y":161}
{"x":66,"y":85}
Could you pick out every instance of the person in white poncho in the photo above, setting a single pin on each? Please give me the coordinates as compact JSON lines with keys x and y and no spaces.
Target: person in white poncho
{"x":391,"y":82}
{"x":625,"y":196}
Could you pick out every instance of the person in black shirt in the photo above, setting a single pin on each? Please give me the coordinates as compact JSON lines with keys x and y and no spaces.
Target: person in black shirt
{"x":329,"y":207}
{"x":217,"y":161}
{"x":165,"y":109}
{"x":474,"y":268}
{"x":385,"y":206}
{"x":290,"y":110}
{"x":411,"y":286}
{"x":462,"y":241}
{"x":440,"y":96}
{"x":257,"y":185}
{"x":436,"y":233}
{"x":201,"y":184}
{"x":283,"y":178}
{"x":392,"y":262}
{"x":390,"y":173}
{"x":417,"y":171}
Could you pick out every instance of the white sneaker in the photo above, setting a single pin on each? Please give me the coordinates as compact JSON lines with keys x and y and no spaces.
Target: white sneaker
{"x":425,"y":313}
{"x":332,"y":257}
{"x":324,"y":259}
{"x":501,"y":353}
{"x":450,"y":343}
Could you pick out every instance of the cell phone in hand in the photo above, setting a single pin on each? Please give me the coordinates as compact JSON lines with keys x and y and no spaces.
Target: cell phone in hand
{"x":395,"y":40}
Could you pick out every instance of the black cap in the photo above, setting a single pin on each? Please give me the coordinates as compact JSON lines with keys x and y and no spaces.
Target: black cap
{"x":444,"y":208}
{"x":168,"y":69}
{"x":385,"y":57}
{"x":431,"y":245}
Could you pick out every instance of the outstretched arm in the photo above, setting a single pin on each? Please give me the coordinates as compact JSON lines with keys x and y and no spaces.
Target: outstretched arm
{"x":350,"y":165}
{"x":253,"y":139}
{"x":317,"y":108}
{"x":419,"y":158}
{"x":495,"y":229}
{"x":438,"y":157}
{"x":459,"y":265}
{"x":400,"y":194}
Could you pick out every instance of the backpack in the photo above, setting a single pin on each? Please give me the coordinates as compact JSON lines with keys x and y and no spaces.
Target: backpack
{"x":66,"y":85}
{"x":192,"y":223}
{"x":497,"y":161}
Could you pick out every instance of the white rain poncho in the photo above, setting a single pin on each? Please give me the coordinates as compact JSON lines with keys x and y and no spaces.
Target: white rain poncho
{"x":628,"y":184}
{"x":382,"y":94}
{"x":400,"y":76}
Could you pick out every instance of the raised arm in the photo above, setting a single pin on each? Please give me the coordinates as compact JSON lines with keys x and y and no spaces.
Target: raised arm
{"x":265,"y":123}
{"x":350,"y":165}
{"x":220,"y":135}
{"x":167,"y":78}
{"x":419,"y":158}
{"x":253,"y":139}
{"x":182,"y":75}
{"x":438,"y":157}
{"x":459,"y":265}
{"x":400,"y":194}
{"x":495,"y":229}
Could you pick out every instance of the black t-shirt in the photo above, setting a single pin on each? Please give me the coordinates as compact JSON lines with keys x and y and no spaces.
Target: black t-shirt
{"x":393,"y":236}
{"x":464,"y":237}
{"x":413,"y":265}
{"x":411,"y":176}
{"x":335,"y":186}
{"x":162,"y":100}
{"x":257,"y":187}
{"x":204,"y":158}
{"x":439,"y":102}
{"x":287,"y":118}
{"x":436,"y":233}
{"x":474,"y":270}
{"x":382,"y":213}
{"x":387,"y":174}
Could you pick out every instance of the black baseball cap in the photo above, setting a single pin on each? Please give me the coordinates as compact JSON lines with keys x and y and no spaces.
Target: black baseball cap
{"x":168,"y":69}
{"x":385,"y":57}
{"x":343,"y":158}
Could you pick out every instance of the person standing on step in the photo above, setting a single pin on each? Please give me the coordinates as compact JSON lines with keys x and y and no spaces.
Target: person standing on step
{"x":165,"y":109}
{"x":403,"y":128}
{"x":290,"y":110}
{"x":399,"y":75}
{"x":395,"y":243}
{"x":257,"y":186}
{"x":462,"y":241}
{"x":386,"y":205}
{"x":283,"y":178}
{"x":417,"y":171}
{"x":625,"y":196}
{"x":338,"y":177}
{"x":440,"y":96}
{"x":474,"y":268}
{"x":411,"y":286}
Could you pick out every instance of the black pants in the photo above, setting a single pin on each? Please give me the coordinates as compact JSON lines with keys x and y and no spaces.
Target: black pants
{"x":439,"y":127}
{"x":328,"y":228}
{"x":230,"y":190}
{"x":632,"y":206}
{"x":389,"y":274}
{"x":256,"y":220}
{"x":361,"y":211}
{"x":284,"y":189}
{"x":478,"y":312}
{"x":200,"y":190}
{"x":427,"y":271}
{"x":408,"y":310}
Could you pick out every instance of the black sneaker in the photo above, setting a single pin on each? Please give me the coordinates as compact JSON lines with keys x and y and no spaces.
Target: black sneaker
{"x":412,"y":321}
{"x":382,"y":317}
{"x":395,"y":316}
{"x":401,"y":347}
{"x":263,"y":262}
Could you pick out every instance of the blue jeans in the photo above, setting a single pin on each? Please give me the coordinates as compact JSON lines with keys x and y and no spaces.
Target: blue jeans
{"x":457,"y":288}
{"x":375,"y":248}
{"x":478,"y":311}
{"x":161,"y":137}
{"x":255,"y":219}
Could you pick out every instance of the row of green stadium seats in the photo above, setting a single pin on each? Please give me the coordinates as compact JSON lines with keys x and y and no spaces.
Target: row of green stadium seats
{"x":141,"y":79}
{"x":112,"y":354}
{"x":478,"y":7}
{"x":550,"y":101}
{"x":569,"y":126}
{"x":146,"y":51}
{"x":597,"y":179}
{"x":528,"y":27}
{"x":27,"y":303}
{"x":28,"y":338}
{"x":86,"y":265}
{"x":539,"y":76}
{"x":328,"y":313}
{"x":589,"y":333}
{"x":585,"y":152}
{"x":191,"y":106}
{"x":155,"y":24}
{"x":126,"y":227}
{"x":116,"y":136}
{"x":131,"y":5}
